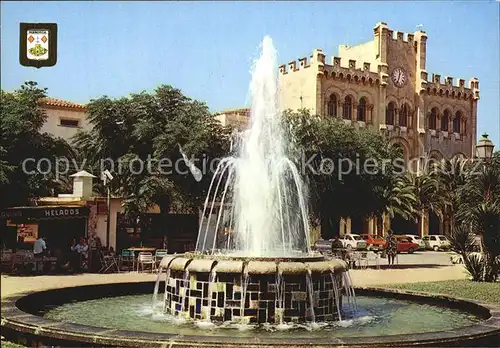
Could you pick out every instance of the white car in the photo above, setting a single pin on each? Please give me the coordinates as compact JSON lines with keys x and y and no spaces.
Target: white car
{"x":353,"y":241}
{"x":417,"y":240}
{"x":437,"y":242}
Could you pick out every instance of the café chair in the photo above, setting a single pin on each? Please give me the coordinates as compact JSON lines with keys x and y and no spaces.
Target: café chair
{"x":146,"y":259}
{"x":159,"y":254}
{"x":127,"y":257}
{"x":108,"y":262}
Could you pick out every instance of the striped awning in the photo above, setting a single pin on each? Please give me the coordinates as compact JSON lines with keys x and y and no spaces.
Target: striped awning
{"x":45,"y":212}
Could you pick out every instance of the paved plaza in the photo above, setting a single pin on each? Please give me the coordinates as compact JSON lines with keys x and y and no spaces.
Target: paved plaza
{"x":418,"y":267}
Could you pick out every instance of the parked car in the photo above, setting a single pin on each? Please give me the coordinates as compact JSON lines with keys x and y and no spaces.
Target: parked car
{"x":416,"y":239}
{"x":374,"y":243}
{"x":353,"y":241}
{"x":437,"y":242}
{"x":404,"y":244}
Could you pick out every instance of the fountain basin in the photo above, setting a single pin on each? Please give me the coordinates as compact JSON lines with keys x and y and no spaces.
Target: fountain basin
{"x":23,"y":322}
{"x":252,"y":290}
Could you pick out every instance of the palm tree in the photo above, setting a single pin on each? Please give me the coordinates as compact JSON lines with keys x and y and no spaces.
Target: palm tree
{"x":451,"y":176}
{"x":428,"y":196}
{"x":399,"y":199}
{"x":480,"y":209}
{"x":462,"y":242}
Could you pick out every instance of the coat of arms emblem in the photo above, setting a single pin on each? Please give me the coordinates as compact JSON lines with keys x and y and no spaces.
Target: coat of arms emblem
{"x":38,"y":44}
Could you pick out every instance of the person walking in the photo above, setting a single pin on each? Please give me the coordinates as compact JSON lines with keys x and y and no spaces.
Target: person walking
{"x":391,"y":247}
{"x":39,"y":247}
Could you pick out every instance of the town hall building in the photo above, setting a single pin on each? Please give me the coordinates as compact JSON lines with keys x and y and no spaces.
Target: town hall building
{"x":383,"y":84}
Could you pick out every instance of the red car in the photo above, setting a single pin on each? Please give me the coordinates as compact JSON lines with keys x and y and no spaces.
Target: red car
{"x":375,"y":243}
{"x":404,"y":244}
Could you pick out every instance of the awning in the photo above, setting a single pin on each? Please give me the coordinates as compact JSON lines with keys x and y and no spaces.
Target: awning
{"x":45,"y":212}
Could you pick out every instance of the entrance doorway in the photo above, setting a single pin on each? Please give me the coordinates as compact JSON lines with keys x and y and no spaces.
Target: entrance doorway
{"x":402,"y":226}
{"x":60,"y":233}
{"x":434,"y":224}
{"x":358,"y":225}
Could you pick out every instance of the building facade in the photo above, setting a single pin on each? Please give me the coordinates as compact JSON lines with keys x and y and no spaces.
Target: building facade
{"x":64,"y":119}
{"x":236,"y":118}
{"x":383,"y":84}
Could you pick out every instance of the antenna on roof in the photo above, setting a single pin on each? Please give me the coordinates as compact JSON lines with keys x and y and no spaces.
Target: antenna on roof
{"x":420,"y":27}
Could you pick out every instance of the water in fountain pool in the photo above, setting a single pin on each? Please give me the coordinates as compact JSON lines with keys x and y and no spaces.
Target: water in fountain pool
{"x":375,"y":316}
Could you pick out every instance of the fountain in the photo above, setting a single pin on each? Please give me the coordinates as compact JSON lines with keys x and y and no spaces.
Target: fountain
{"x":253,"y":262}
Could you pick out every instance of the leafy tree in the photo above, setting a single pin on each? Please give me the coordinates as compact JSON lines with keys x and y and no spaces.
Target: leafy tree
{"x":137,"y":138}
{"x":21,"y":119}
{"x":350,"y":172}
{"x":428,"y":195}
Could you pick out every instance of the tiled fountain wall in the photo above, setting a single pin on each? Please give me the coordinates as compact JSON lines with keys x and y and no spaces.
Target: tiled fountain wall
{"x":260,"y":301}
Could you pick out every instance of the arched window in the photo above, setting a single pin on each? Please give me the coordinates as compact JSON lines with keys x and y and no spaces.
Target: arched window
{"x":332,"y":106}
{"x":445,"y":120}
{"x":389,"y":113}
{"x":404,"y":115}
{"x":347,"y":109}
{"x":433,"y":118}
{"x":362,"y":109}
{"x":456,"y":122}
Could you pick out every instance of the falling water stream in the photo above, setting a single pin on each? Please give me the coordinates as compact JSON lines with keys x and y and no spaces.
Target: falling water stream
{"x":245,"y":278}
{"x":310,"y":292}
{"x":349,"y":289}
{"x":157,"y":287}
{"x":335,"y":294}
{"x":211,"y":282}
{"x":185,"y":288}
{"x":280,"y":296}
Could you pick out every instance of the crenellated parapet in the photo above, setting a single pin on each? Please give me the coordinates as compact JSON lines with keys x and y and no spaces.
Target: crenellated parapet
{"x":381,"y":29}
{"x":405,"y":38}
{"x":316,"y":61}
{"x":342,"y":69}
{"x":352,"y":70}
{"x":448,"y":87}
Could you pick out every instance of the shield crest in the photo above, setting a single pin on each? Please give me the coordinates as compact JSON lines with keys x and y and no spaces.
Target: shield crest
{"x":37,"y":44}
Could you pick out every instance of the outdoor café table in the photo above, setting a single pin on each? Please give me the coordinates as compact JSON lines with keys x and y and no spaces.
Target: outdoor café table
{"x":141,"y":250}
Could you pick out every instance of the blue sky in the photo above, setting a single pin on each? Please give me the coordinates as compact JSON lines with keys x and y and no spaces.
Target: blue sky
{"x":206,"y":48}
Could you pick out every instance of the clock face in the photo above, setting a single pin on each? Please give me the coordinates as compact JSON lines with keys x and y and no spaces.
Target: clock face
{"x":398,"y":77}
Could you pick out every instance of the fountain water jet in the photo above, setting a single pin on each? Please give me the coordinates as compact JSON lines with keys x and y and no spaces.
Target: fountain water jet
{"x":263,"y":198}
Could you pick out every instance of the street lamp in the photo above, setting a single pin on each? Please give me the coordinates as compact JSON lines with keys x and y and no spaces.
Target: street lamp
{"x":107,"y":177}
{"x":484,"y":148}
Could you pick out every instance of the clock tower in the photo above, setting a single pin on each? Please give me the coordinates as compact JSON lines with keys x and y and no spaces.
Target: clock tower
{"x":396,"y":52}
